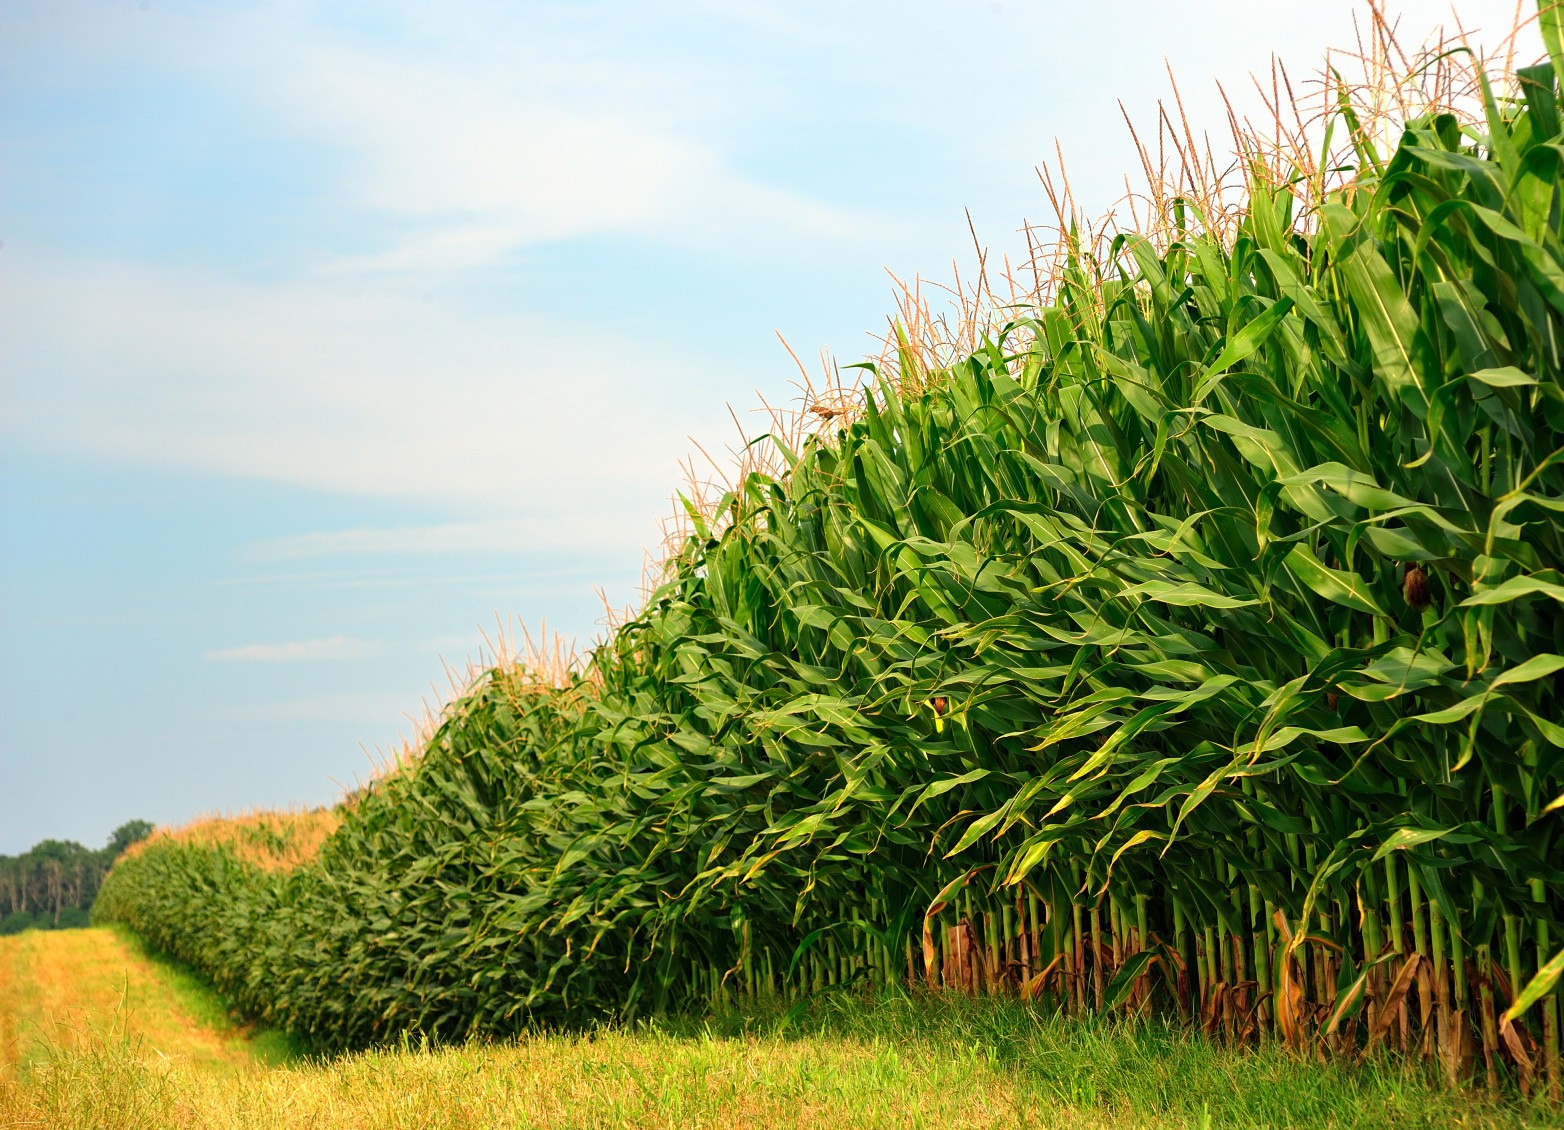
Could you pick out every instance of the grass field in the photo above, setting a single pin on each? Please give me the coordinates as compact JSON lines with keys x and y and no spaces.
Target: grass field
{"x":64,"y":989}
{"x":98,"y":1034}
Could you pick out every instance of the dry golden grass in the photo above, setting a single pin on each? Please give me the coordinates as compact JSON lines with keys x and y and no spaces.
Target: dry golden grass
{"x":615,"y":1079}
{"x":59,"y":987}
{"x":107,"y":1039}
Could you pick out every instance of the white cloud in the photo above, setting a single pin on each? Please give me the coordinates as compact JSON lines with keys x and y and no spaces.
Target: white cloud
{"x":481,"y":160}
{"x":294,"y":651}
{"x":514,"y":537}
{"x":522,"y":579}
{"x":470,"y":131}
{"x":386,"y":714}
{"x":479,"y":130}
{"x":570,"y":433}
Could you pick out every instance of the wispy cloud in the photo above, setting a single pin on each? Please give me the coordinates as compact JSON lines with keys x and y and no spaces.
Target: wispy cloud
{"x":481,"y":149}
{"x":450,"y":538}
{"x":387,"y":714}
{"x":295,"y":651}
{"x":441,"y":141}
{"x":426,"y":151}
{"x":376,"y":392}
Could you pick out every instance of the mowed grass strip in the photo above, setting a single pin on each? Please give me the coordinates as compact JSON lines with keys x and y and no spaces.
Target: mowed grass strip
{"x":62,"y":988}
{"x":842,"y":1062}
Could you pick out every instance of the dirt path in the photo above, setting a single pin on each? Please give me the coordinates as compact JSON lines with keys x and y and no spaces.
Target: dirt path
{"x":58,"y":985}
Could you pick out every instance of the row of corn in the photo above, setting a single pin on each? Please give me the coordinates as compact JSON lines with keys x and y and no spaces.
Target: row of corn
{"x":1192,"y":648}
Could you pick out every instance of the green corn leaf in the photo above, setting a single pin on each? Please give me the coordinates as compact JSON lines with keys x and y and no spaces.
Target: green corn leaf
{"x":1123,"y":983}
{"x":1507,"y":376}
{"x":939,"y":788}
{"x":1403,"y":838}
{"x":1537,"y":667}
{"x":1344,"y":588}
{"x":1538,"y":987}
{"x":1388,"y":319}
{"x":1240,"y":346}
{"x":1514,"y":589}
{"x":1185,"y":594}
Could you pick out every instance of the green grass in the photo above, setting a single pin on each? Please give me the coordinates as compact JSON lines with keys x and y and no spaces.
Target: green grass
{"x":1145,"y":1072}
{"x":199,"y":1000}
{"x":840,"y":1061}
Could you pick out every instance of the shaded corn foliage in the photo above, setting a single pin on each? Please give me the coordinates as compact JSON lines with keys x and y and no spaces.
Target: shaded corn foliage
{"x":202,"y":892}
{"x":1193,"y":645}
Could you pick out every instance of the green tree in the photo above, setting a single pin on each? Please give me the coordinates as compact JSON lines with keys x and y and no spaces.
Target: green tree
{"x":130,"y":832}
{"x":52,"y":885}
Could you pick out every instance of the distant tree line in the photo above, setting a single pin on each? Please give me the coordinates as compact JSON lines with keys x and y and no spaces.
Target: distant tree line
{"x":51,"y":886}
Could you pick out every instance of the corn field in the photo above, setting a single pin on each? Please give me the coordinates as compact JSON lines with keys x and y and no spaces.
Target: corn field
{"x":1190,"y":647}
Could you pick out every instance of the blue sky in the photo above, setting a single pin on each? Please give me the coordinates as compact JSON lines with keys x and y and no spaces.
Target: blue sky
{"x":331,"y":333}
